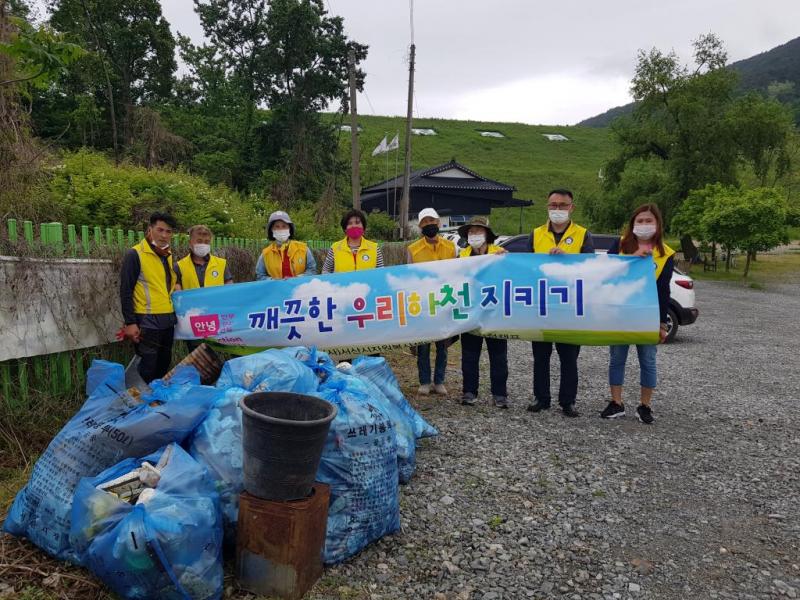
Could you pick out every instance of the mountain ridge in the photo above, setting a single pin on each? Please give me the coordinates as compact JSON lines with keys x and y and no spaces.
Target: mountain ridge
{"x":761,"y":72}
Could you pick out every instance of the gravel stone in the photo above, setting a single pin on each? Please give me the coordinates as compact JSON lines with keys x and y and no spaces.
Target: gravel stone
{"x":550,"y":507}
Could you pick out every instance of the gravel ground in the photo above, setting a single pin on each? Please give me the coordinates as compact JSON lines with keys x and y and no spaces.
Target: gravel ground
{"x":702,"y":504}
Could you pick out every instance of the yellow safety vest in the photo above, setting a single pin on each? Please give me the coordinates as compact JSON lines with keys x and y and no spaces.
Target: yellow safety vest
{"x":571,"y":242}
{"x":659,"y":259}
{"x":215,"y":272}
{"x":424,"y":251}
{"x":365,"y":258}
{"x":273,"y":258}
{"x":150,"y":295}
{"x":492,"y":249}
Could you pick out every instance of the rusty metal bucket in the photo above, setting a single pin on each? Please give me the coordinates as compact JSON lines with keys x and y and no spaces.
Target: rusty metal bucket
{"x":279,"y":544}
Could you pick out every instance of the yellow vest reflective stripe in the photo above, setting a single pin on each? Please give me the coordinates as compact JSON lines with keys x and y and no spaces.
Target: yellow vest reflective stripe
{"x":423,"y":251}
{"x":273,"y":258}
{"x":366,"y":257}
{"x":659,"y":259}
{"x":150,"y":294}
{"x":215,"y":272}
{"x":492,"y":249}
{"x":571,"y":242}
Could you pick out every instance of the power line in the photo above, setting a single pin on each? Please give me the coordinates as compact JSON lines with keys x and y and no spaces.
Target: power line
{"x":366,"y":95}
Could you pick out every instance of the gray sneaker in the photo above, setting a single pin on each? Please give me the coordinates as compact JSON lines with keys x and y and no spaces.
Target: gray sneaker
{"x":500,"y":401}
{"x":468,"y":399}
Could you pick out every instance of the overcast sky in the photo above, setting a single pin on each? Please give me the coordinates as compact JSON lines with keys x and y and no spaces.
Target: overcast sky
{"x":528,"y":60}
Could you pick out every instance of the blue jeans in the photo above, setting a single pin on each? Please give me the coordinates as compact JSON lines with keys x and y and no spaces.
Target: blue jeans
{"x":424,"y":363}
{"x":647,"y":364}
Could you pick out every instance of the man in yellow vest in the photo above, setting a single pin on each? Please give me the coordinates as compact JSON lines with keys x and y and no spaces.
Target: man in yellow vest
{"x":431,"y":246}
{"x":147,"y":280}
{"x":560,"y":235}
{"x":354,"y":252}
{"x":284,"y":257}
{"x":200,"y":268}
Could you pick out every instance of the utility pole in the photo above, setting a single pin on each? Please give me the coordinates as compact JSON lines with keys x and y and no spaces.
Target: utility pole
{"x":355,"y":178}
{"x":405,"y":201}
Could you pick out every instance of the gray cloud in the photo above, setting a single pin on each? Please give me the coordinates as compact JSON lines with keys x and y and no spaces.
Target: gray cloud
{"x":498,"y":60}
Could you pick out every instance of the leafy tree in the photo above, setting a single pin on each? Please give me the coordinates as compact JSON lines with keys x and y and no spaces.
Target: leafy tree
{"x":689,"y":120}
{"x":133,"y":54}
{"x":677,"y":121}
{"x":291,"y":57}
{"x":29,"y":57}
{"x":762,"y":130}
{"x":40,"y":54}
{"x":752,"y":220}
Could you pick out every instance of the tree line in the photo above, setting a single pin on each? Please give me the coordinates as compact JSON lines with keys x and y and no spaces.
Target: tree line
{"x":711,"y":159}
{"x":245,"y":111}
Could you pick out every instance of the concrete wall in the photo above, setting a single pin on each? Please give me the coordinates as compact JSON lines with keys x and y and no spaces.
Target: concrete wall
{"x":53,"y":305}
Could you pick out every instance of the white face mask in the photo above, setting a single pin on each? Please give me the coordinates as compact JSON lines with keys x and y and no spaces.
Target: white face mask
{"x":280,"y":235}
{"x":201,"y":250}
{"x":558,"y":217}
{"x":163,"y":246}
{"x":644,"y":232}
{"x":476,"y":241}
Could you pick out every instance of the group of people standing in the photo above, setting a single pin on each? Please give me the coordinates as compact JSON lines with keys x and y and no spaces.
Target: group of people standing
{"x":149,"y":276}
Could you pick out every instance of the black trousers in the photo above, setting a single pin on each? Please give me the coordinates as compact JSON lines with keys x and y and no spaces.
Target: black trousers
{"x":568,"y":357}
{"x":471,"y":346}
{"x":155,"y":348}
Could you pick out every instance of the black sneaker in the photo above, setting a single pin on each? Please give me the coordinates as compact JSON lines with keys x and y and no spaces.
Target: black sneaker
{"x":645,"y":414}
{"x":500,"y":401}
{"x":569,"y":411}
{"x":538,"y":406}
{"x":613,"y":411}
{"x":468,"y":398}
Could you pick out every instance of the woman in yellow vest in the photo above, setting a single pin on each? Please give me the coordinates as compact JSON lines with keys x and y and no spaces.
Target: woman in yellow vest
{"x":431,"y":246}
{"x":480,"y":240}
{"x":354,"y":252}
{"x":284,"y":257}
{"x":200,"y":268}
{"x":643,"y":237}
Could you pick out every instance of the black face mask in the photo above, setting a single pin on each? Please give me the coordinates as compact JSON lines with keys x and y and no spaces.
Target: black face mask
{"x":430,"y":230}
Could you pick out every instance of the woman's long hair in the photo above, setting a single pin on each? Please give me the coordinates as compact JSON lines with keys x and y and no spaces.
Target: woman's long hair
{"x":629,"y":244}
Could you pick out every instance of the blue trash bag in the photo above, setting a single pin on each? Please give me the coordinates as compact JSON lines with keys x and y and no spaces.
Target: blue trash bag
{"x":378,"y":371}
{"x":110,"y":426}
{"x":267,"y":371}
{"x":359,"y":462}
{"x":217,"y":443}
{"x":318,"y":360}
{"x":166,"y":545}
{"x":403,"y":429}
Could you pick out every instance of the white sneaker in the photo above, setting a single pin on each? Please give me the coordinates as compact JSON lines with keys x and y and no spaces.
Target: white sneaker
{"x":440,"y":389}
{"x":424,"y":389}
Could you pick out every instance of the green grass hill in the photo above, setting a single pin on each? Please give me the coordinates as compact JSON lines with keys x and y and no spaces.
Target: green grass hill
{"x":523,"y":158}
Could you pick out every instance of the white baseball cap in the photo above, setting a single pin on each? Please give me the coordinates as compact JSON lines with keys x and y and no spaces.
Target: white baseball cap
{"x":427,"y":212}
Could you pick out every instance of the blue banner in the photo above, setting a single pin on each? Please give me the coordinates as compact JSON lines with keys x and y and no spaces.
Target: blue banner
{"x":578,"y":299}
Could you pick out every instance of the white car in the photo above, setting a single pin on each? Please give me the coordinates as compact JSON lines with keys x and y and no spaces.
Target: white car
{"x":682,"y":310}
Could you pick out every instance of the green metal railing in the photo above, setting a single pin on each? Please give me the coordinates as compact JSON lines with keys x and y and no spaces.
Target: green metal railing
{"x":63,"y":373}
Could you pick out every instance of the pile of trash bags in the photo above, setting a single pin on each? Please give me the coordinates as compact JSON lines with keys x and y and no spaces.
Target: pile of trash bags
{"x":143,"y":488}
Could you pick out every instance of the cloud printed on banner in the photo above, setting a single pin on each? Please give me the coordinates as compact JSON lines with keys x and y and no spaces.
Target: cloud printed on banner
{"x":607,"y":300}
{"x":600,"y":267}
{"x":428,"y":275}
{"x":183,"y":328}
{"x":342,"y":295}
